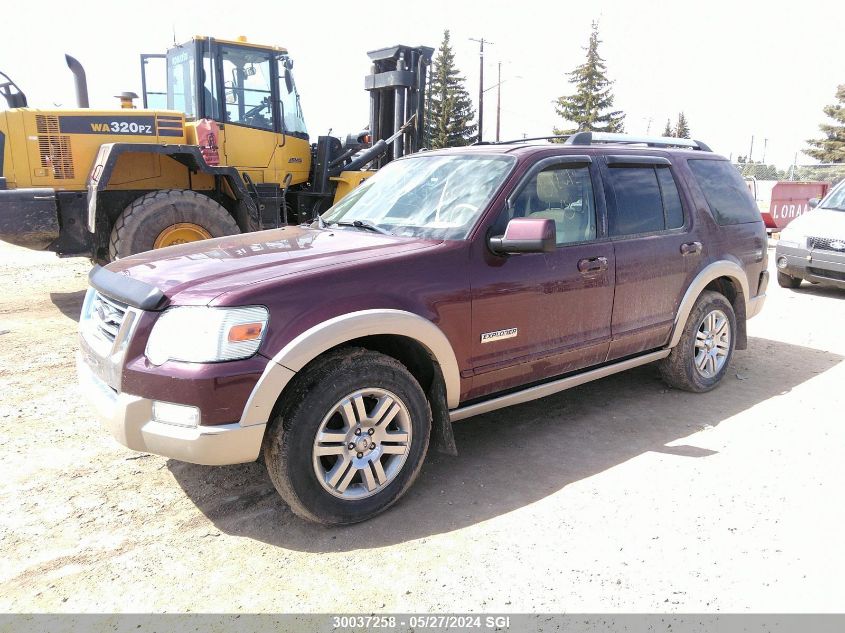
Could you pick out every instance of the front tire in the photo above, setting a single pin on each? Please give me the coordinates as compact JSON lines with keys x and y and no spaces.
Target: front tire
{"x":350,"y":438}
{"x":788,"y":281}
{"x":700,"y":359}
{"x":166,"y":218}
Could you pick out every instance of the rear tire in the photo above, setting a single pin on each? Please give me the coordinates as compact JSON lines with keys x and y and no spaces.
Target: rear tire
{"x":788,"y":281}
{"x":701,"y":358}
{"x":325,"y":470}
{"x":148,"y":217}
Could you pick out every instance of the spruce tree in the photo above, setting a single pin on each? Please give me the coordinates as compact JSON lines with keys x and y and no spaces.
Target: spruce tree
{"x":449,"y":111}
{"x":668,"y":131}
{"x":831,"y":148}
{"x":591,"y":107}
{"x":681,"y":127}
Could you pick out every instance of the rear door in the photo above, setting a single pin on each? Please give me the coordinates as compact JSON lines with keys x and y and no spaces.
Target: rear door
{"x":543,"y":314}
{"x":655,"y":248}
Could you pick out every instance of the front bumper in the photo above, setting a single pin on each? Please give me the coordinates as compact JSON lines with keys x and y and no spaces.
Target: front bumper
{"x":29,"y":217}
{"x":824,"y":267}
{"x":129,"y":419}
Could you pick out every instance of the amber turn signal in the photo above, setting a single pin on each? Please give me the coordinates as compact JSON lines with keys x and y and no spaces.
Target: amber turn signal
{"x":245,"y":332}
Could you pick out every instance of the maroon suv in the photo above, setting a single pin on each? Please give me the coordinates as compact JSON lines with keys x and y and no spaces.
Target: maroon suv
{"x":450,"y":284}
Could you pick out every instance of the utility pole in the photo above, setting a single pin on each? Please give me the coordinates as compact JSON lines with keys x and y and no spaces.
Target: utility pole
{"x":499,"y":102}
{"x":751,"y":149}
{"x":481,"y":41}
{"x":765,"y":144}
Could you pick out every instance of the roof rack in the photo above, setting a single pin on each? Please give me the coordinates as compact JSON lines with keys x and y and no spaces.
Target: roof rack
{"x":558,"y":137}
{"x":592,"y":138}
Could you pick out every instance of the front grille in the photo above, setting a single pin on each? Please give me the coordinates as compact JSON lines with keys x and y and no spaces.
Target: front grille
{"x":828,"y":244}
{"x":107,"y":316}
{"x":54,"y":147}
{"x":830,"y":274}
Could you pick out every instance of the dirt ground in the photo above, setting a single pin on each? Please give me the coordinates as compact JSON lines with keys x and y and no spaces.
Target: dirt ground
{"x":617,"y":496}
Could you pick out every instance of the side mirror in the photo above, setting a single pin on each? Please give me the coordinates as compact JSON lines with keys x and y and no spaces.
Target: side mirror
{"x":525,"y":235}
{"x":813,"y":202}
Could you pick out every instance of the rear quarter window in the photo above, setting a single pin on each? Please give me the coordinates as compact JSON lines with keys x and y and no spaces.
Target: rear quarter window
{"x":727,"y":195}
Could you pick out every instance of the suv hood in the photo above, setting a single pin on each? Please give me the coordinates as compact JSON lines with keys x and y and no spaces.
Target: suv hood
{"x":821,"y":222}
{"x":201,"y":271}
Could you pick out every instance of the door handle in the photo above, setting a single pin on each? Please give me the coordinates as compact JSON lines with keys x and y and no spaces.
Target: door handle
{"x":691,"y":248}
{"x":592,"y":265}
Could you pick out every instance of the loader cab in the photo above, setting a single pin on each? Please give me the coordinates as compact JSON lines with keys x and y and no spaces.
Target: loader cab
{"x":238,"y":83}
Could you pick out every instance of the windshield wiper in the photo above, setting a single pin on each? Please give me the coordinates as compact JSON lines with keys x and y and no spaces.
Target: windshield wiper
{"x":362,"y":224}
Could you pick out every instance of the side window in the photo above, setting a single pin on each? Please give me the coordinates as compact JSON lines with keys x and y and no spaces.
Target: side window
{"x":639,"y":206}
{"x":208,"y":78}
{"x":247,"y":86}
{"x":671,"y":199}
{"x":647,"y":200}
{"x":154,"y":81}
{"x":291,"y":112}
{"x":180,"y":81}
{"x":564,"y":194}
{"x":725,"y":191}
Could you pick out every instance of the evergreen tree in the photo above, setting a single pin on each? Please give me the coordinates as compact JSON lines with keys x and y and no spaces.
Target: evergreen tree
{"x":591,"y":107}
{"x":667,"y":131}
{"x":831,"y":148}
{"x":449,"y":111}
{"x":681,"y":127}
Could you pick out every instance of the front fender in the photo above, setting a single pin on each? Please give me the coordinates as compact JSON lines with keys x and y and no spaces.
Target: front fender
{"x":189,"y":155}
{"x":341,"y":329}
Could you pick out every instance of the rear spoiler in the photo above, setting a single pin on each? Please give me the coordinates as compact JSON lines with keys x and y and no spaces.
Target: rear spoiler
{"x":133,"y":292}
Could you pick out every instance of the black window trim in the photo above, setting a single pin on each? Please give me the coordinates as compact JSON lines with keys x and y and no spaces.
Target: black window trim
{"x":610,"y":198}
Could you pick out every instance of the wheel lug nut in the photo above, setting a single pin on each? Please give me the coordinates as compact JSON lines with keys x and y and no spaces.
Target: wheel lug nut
{"x":351,"y":445}
{"x":360,"y":455}
{"x":371,"y":431}
{"x":357,"y":431}
{"x":372,"y":446}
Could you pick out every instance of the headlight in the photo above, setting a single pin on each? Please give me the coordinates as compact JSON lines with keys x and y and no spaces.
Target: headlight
{"x":791,"y":236}
{"x":198,"y":334}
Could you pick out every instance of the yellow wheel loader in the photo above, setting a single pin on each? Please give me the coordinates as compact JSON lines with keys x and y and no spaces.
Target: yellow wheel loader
{"x":219,"y":147}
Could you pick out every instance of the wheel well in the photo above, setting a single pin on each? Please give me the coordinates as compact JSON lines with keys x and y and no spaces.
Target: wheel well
{"x":406,"y":350}
{"x":730,"y":289}
{"x":113,"y":202}
{"x":423,"y":367}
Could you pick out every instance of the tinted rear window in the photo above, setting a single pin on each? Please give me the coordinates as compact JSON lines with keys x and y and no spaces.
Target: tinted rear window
{"x":725,"y":191}
{"x":647,"y":200}
{"x":671,"y":199}
{"x":639,"y":208}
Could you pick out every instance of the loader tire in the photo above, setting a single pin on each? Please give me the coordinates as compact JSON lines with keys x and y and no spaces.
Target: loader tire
{"x":167,"y":218}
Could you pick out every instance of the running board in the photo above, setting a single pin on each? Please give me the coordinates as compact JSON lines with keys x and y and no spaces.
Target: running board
{"x":549,"y":388}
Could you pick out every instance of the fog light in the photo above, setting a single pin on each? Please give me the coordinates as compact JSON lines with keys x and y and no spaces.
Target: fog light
{"x":178,"y":414}
{"x":782,"y":262}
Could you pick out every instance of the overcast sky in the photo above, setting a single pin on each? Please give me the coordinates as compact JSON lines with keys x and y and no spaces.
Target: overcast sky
{"x":736,"y":69}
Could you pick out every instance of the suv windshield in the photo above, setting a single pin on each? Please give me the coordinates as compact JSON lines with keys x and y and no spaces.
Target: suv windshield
{"x":434,"y":197}
{"x":836,"y":199}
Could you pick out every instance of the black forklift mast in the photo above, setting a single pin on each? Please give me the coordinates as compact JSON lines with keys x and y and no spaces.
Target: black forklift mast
{"x":397,"y":87}
{"x":397,"y":93}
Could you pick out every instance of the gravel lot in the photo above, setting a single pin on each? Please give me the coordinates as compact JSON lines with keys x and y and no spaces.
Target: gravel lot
{"x":618,"y":496}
